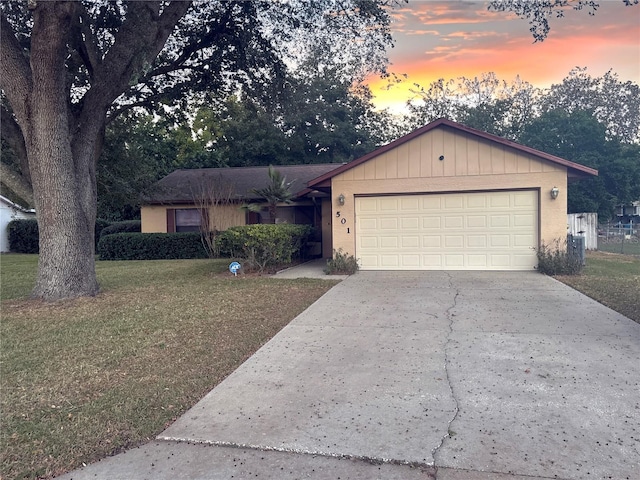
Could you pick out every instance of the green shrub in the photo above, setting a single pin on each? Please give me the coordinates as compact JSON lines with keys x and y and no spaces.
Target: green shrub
{"x":555,"y":259}
{"x":126,"y":226}
{"x":101,"y":224}
{"x":262,"y":246}
{"x":23,"y":236}
{"x":341,"y":264}
{"x":151,"y":246}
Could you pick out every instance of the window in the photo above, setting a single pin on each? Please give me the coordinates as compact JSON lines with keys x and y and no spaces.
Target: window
{"x":183,"y":220}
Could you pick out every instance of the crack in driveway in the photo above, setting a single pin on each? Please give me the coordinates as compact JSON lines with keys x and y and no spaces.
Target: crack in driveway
{"x":450,"y":316}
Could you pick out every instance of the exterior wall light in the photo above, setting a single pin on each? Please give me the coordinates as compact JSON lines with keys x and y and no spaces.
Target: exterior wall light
{"x":554,"y":192}
{"x":341,"y":199}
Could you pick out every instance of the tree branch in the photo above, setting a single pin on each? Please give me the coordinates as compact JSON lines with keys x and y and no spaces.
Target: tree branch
{"x":12,"y":134}
{"x":17,"y":183}
{"x":138,"y":42}
{"x":86,"y":42}
{"x":15,"y":73}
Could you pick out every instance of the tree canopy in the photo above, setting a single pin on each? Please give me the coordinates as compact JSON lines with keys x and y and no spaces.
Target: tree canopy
{"x":69,"y":68}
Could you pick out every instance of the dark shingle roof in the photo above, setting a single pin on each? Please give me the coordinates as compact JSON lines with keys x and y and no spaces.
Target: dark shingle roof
{"x":179,"y":186}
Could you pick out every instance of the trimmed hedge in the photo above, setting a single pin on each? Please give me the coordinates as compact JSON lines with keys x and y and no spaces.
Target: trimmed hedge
{"x":101,"y":224}
{"x":23,"y":236}
{"x":126,"y":226}
{"x":151,"y":246}
{"x":264,"y":245}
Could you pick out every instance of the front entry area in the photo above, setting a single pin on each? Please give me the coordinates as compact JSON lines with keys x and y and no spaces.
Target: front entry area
{"x":495,"y":230}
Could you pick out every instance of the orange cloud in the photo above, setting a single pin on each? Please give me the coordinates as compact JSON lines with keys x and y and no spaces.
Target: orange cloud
{"x":453,"y":39}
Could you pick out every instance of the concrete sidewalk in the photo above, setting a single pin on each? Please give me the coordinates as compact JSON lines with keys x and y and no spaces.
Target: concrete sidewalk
{"x":448,"y":375}
{"x":310,"y":269}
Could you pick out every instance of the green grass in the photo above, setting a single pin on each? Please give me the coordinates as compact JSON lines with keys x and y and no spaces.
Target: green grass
{"x":611,"y":279}
{"x":87,"y":378}
{"x":18,"y":275}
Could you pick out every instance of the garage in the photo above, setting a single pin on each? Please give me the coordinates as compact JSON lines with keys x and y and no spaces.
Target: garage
{"x":447,"y":197}
{"x":454,"y":231}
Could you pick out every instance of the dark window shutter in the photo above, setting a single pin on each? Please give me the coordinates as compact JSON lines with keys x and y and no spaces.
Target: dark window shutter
{"x":171,"y":220}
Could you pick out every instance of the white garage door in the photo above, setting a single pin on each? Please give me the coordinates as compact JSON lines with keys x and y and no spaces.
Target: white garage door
{"x":460,"y":231}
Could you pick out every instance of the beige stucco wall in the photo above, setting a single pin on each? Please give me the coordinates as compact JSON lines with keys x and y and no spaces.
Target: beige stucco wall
{"x":154,"y":217}
{"x":469,"y":164}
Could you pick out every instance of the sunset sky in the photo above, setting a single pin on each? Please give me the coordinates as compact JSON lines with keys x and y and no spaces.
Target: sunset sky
{"x":449,"y":39}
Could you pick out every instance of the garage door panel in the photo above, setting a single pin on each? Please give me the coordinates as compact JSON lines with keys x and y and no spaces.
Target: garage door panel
{"x":368,"y":224}
{"x":431,"y":223}
{"x":387,"y":223}
{"x":453,"y":260}
{"x":476,"y":261}
{"x":453,"y":241}
{"x":410,"y":204}
{"x":388,"y":204}
{"x":389,"y":261}
{"x":433,"y":241}
{"x":476,"y":241}
{"x":524,"y":200}
{"x":369,"y":242}
{"x":522,"y":220}
{"x":453,"y":202}
{"x":522,"y":260}
{"x":410,"y":261}
{"x":432,"y":202}
{"x":454,"y":222}
{"x":368,"y":204}
{"x":476,"y":221}
{"x":389,"y":242}
{"x":477,"y":202}
{"x":523,"y":241}
{"x":500,"y":200}
{"x":409,"y":223}
{"x":410,"y":241}
{"x":431,"y":262}
{"x":501,"y":260}
{"x":480,"y":230}
{"x":499,"y":241}
{"x":500,"y":221}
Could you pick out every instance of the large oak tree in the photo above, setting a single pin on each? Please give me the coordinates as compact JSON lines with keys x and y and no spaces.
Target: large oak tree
{"x":69,"y":67}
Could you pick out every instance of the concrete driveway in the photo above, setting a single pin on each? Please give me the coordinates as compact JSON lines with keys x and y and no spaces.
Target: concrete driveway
{"x":402,"y":375}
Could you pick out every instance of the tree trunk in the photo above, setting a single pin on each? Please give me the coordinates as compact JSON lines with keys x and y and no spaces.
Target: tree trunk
{"x":64,"y":186}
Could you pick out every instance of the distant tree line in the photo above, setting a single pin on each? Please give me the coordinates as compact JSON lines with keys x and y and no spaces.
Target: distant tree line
{"x":594,"y":121}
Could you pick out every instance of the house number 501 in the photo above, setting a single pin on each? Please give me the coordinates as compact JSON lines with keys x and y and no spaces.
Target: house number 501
{"x":343,"y":221}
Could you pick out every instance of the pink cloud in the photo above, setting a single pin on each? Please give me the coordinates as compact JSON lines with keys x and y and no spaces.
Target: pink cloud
{"x":453,"y":39}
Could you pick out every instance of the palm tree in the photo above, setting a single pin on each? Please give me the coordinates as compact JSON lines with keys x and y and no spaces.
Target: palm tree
{"x":277,"y":191}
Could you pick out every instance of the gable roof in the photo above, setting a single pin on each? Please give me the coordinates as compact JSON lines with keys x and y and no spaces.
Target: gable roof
{"x":573,"y":169}
{"x":180,"y":185}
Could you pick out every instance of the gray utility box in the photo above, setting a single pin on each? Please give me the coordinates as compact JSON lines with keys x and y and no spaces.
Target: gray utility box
{"x":576,"y":248}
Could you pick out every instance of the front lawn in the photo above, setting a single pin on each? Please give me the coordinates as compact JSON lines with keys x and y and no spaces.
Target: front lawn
{"x":88,"y":378}
{"x":611,"y":279}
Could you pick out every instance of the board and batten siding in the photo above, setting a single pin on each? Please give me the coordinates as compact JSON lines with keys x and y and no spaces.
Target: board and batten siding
{"x":470,"y":164}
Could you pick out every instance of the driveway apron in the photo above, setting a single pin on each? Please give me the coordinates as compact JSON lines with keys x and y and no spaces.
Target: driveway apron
{"x":491,"y":372}
{"x":448,"y":375}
